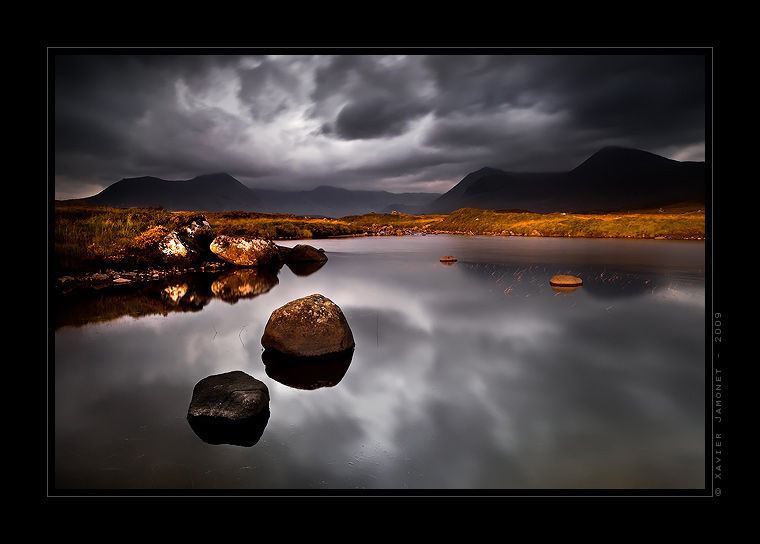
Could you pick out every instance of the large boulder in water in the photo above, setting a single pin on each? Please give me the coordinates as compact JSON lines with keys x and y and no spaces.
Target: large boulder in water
{"x":232,"y":396}
{"x":230,"y":408}
{"x":245,"y":250}
{"x":312,"y":326}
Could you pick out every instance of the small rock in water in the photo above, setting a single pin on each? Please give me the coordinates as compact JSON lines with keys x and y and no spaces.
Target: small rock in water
{"x":448,"y":259}
{"x":564,"y":280}
{"x":306,"y":253}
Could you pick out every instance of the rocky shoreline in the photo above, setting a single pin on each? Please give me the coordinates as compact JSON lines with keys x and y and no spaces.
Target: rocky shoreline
{"x":190,"y":249}
{"x":100,"y":279}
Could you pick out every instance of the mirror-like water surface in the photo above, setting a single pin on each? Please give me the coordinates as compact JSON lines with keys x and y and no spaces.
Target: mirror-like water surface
{"x":471,"y":376}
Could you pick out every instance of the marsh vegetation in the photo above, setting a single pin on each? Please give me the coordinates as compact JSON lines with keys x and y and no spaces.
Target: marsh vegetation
{"x":90,"y":238}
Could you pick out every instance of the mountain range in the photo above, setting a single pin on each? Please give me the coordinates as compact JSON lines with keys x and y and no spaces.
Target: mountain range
{"x":612,"y":178}
{"x":221,"y":192}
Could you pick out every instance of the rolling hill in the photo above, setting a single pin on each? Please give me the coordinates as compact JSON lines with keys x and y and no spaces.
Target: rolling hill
{"x":336,"y":202}
{"x":210,"y":192}
{"x":221,"y":192}
{"x":612,"y":178}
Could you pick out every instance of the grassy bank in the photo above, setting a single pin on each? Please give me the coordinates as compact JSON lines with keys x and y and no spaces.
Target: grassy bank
{"x":88,"y":238}
{"x":392,"y":222}
{"x":92,"y":238}
{"x":280,"y":227}
{"x":686,"y":223}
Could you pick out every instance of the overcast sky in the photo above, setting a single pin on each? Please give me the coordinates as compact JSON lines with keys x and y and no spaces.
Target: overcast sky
{"x":398,"y":120}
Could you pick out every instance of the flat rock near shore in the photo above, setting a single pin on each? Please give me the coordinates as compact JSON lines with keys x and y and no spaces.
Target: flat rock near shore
{"x":564,"y":280}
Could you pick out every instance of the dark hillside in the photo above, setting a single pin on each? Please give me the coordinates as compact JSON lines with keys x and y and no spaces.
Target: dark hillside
{"x":210,"y":192}
{"x":614,"y":177}
{"x":621,"y":174}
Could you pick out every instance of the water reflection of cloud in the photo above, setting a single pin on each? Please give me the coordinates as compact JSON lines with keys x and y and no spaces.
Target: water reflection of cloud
{"x":452,"y":384}
{"x":492,"y":352}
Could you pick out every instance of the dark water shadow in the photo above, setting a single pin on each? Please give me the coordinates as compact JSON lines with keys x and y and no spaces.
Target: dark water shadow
{"x":243,"y":283}
{"x":304,"y":268}
{"x":307,"y":372}
{"x":244,"y":433}
{"x":597,"y":282}
{"x":189,"y":292}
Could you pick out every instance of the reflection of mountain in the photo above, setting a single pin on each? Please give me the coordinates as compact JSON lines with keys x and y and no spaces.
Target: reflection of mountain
{"x":612,"y":285}
{"x":519,"y":281}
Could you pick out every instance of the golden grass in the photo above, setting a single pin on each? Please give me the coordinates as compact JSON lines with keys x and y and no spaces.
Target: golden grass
{"x":280,"y":227}
{"x":91,"y":238}
{"x":644,"y":224}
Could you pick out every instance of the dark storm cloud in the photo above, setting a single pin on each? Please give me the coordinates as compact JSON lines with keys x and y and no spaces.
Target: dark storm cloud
{"x":381,"y":96}
{"x":648,"y":95}
{"x":268,"y":89}
{"x":399,"y":122}
{"x":653,"y":102}
{"x":375,"y":117}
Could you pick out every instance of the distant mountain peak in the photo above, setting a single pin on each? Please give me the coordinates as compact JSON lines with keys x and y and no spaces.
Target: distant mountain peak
{"x":216,"y":176}
{"x":619,"y":153}
{"x":617,"y":157}
{"x":207,"y":192}
{"x":613,"y":177}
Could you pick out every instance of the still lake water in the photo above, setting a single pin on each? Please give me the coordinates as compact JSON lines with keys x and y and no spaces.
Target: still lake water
{"x":471,"y":377}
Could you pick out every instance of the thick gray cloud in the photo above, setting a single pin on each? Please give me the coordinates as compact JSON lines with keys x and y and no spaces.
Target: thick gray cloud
{"x":400,"y":122}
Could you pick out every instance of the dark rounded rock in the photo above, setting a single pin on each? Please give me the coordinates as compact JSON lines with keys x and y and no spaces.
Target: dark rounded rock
{"x":306,"y":253}
{"x":311,"y":326}
{"x":229,"y":397}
